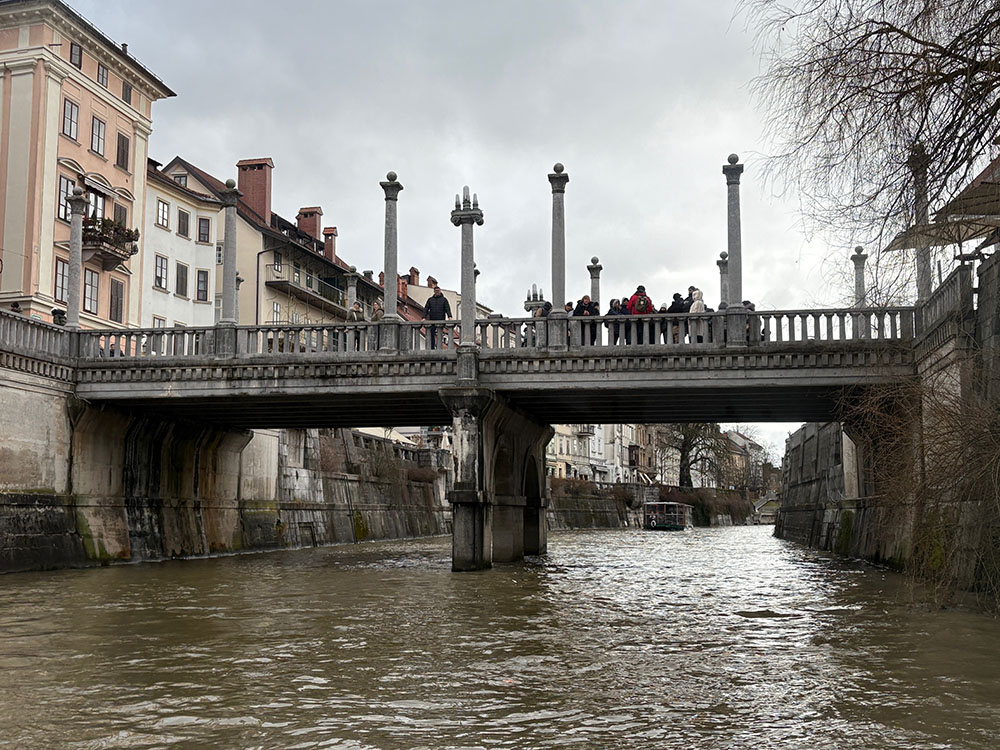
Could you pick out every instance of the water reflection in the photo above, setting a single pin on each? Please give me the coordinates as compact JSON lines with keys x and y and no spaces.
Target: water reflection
{"x":712,"y":638}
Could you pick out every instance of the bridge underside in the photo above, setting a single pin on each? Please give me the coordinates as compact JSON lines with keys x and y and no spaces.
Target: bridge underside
{"x":549,"y":406}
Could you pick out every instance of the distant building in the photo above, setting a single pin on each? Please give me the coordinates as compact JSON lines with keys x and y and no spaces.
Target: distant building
{"x":178,"y":262}
{"x":76,"y":112}
{"x":292,"y":271}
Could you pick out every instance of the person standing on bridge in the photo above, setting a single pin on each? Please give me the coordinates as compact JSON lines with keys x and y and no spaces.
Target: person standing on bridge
{"x":437,"y":308}
{"x":698,"y":324}
{"x":614,"y":329}
{"x":640,"y":304}
{"x":585,"y":307}
{"x":356,"y":315}
{"x":676,"y":308}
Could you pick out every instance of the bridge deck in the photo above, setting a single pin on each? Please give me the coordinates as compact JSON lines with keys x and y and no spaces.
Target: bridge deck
{"x":782,"y":366}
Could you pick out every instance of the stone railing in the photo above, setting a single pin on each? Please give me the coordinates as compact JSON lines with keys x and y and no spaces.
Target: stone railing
{"x":22,"y":334}
{"x":343,"y":340}
{"x":699,"y":330}
{"x":954,"y":295}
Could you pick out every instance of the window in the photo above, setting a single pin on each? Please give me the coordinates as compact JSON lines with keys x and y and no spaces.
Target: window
{"x":309,"y":280}
{"x":277,"y":262}
{"x":97,"y":203}
{"x":97,"y":130}
{"x":62,"y":274}
{"x":162,"y":214}
{"x":296,"y":269}
{"x":204,"y":229}
{"x":90,"y":291}
{"x":71,"y":119}
{"x":276,"y":312}
{"x":160,"y":275}
{"x":75,"y":55}
{"x":181,"y":282}
{"x":127,"y":92}
{"x":102,"y":75}
{"x":159,"y":322}
{"x":123,"y":149}
{"x":183,"y":222}
{"x":117,"y":300}
{"x":218,"y":253}
{"x":66,"y":186}
{"x":121,"y":214}
{"x":181,"y":179}
{"x":202,"y":295}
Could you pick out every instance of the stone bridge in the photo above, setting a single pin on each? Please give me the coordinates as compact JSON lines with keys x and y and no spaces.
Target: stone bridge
{"x":500,"y":385}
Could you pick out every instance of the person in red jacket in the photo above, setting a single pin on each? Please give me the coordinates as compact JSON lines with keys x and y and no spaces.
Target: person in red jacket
{"x":640,"y":304}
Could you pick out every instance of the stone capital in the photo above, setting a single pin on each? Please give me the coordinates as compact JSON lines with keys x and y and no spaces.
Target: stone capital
{"x":467,"y":210}
{"x":558,"y":182}
{"x":859,"y":257}
{"x":471,"y":401}
{"x":230,"y":196}
{"x":732,"y":173}
{"x":595,"y":268}
{"x":78,"y":202}
{"x":391,"y":186}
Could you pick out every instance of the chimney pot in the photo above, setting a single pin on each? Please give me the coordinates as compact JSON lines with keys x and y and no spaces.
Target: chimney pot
{"x":309,"y":220}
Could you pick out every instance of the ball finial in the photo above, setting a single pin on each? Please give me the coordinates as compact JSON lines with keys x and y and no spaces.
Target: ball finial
{"x":230,"y":183}
{"x":859,"y":250}
{"x":77,"y":191}
{"x":354,"y":269}
{"x":558,"y":168}
{"x":723,"y":255}
{"x":390,"y":176}
{"x":595,"y":260}
{"x":733,"y":158}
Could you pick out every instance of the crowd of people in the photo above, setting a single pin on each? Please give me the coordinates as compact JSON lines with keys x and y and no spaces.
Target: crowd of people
{"x":639,"y":303}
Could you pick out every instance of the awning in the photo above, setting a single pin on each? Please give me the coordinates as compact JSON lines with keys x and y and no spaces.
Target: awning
{"x":942,"y":233}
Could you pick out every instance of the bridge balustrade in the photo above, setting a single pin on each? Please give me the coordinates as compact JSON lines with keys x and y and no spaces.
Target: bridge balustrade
{"x":667,"y":332}
{"x":24,"y":334}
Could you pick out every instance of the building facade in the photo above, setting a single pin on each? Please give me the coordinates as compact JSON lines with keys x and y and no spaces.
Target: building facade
{"x":291,"y":269}
{"x":75,"y":112}
{"x":178,"y":261}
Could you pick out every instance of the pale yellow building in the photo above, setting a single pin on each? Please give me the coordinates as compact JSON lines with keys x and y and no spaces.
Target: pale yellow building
{"x":75,"y":111}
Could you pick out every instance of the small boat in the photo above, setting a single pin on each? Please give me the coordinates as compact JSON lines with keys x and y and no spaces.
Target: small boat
{"x":667,"y":516}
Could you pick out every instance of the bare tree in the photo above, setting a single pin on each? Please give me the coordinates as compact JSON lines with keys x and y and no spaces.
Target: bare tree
{"x":699,"y":445}
{"x":879,"y":109}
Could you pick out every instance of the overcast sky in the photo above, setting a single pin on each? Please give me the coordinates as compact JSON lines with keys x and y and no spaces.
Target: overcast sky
{"x":641,"y":100}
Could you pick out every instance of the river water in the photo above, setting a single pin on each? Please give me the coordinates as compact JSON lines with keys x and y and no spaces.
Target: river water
{"x":712,"y":638}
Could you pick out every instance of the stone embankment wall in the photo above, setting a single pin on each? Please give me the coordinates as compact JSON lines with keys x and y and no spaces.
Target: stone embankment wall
{"x":83,"y":486}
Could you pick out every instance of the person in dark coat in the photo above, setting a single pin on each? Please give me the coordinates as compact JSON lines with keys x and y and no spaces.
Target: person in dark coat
{"x":614,"y":329}
{"x":586,"y":308}
{"x":676,"y":308}
{"x":437,"y":308}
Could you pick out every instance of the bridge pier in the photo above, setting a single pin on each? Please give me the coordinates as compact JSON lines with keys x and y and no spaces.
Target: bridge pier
{"x":498,"y":507}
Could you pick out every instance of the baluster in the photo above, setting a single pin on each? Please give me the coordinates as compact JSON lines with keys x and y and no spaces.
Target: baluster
{"x":880,"y":323}
{"x":893,"y":325}
{"x":829,"y":327}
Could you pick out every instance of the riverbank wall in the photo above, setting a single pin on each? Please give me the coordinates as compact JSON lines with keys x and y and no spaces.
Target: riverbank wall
{"x":82,"y":486}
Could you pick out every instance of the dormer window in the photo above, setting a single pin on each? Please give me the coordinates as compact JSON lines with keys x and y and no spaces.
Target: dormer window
{"x":181,"y":179}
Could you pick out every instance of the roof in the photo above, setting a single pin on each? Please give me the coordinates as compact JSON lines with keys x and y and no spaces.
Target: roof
{"x":981,"y":197}
{"x":157,"y":176}
{"x":90,"y":28}
{"x":256,"y":220}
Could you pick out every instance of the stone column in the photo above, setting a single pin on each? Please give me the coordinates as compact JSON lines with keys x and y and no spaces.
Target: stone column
{"x":595,"y":269}
{"x":918,"y":167}
{"x":466,"y":215}
{"x":558,"y":180}
{"x":472,"y":511}
{"x":392,"y":189}
{"x":239,"y":283}
{"x":78,"y":209}
{"x":732,"y":171}
{"x":859,"y":259}
{"x":352,"y":287}
{"x":723,"y":264}
{"x":229,"y":198}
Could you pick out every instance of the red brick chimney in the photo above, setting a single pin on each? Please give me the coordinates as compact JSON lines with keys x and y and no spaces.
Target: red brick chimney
{"x":432,"y":282}
{"x":401,"y":287}
{"x":309,"y":220}
{"x":381,"y":279}
{"x":330,"y":243}
{"x":414,"y":276}
{"x":255,"y":184}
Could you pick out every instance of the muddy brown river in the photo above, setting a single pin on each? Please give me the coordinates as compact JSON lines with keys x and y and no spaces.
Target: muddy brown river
{"x":712,"y":638}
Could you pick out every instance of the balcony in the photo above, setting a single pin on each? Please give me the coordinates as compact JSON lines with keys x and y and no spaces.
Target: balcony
{"x":108,"y":242}
{"x":306,"y":287}
{"x":584,"y":430}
